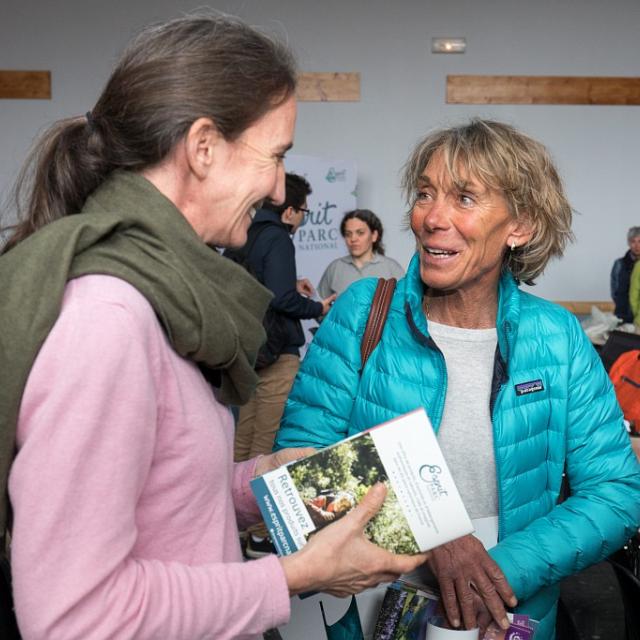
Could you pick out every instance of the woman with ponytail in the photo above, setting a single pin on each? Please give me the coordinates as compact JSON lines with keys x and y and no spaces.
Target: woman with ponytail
{"x":117,"y":319}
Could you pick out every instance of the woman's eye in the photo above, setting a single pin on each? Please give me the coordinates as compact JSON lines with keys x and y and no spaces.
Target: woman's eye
{"x":466,"y":200}
{"x":421,"y":196}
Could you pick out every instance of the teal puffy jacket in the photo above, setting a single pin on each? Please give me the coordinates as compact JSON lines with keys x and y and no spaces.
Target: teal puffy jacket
{"x":572,"y":421}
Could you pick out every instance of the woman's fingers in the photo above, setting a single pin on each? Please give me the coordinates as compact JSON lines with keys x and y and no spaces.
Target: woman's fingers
{"x":339,"y":559}
{"x":501,"y":584}
{"x":369,"y":505}
{"x":464,"y":569}
{"x":271,"y":461}
{"x":467,"y":604}
{"x":486,"y":588}
{"x":449,"y":599}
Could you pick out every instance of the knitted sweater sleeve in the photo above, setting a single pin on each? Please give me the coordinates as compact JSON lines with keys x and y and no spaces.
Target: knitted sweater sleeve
{"x":86,"y":563}
{"x":603,"y":509}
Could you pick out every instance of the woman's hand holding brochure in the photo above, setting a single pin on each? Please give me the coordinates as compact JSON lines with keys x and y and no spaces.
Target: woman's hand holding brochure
{"x":341,"y":561}
{"x":471,"y":584}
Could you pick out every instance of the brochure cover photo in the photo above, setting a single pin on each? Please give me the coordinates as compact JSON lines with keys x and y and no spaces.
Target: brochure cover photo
{"x":410,"y":612}
{"x":423,"y":508}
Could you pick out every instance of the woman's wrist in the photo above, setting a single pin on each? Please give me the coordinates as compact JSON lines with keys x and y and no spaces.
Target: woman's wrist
{"x":296,"y":572}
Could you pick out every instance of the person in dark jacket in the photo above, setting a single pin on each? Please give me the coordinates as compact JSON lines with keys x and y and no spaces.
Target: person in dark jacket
{"x":272,"y":260}
{"x":621,"y":276}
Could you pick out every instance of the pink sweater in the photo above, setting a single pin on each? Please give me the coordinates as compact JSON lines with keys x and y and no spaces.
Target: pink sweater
{"x":124,"y":492}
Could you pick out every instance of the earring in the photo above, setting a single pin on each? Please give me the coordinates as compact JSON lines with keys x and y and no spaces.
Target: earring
{"x":513,"y":245}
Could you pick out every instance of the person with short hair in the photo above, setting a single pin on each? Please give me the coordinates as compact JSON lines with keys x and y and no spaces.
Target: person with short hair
{"x":272,"y":259}
{"x":362,"y":232}
{"x":514,"y":389}
{"x":621,"y":278}
{"x":116,"y":315}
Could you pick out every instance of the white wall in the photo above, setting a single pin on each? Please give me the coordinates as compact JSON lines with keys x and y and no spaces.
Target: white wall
{"x":403,"y":92}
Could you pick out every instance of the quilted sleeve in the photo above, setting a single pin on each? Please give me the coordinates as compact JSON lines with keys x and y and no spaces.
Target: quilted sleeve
{"x":320,"y":403}
{"x":604,"y":476}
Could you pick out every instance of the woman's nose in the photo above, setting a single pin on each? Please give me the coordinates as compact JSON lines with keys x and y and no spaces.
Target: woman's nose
{"x":433,"y":216}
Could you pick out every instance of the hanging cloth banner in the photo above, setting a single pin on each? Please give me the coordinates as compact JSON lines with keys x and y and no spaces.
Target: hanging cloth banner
{"x":318,"y":240}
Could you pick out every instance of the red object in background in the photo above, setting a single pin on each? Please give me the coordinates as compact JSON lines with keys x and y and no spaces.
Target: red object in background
{"x":625,"y":375}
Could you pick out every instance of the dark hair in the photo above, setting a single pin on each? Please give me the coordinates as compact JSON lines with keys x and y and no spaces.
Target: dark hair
{"x":371,"y":220}
{"x":296,"y":191}
{"x":170,"y":75}
{"x":517,"y":166}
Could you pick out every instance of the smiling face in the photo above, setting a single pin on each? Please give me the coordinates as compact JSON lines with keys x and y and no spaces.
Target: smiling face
{"x":359,"y":238}
{"x":462,"y":232}
{"x":246,"y":172}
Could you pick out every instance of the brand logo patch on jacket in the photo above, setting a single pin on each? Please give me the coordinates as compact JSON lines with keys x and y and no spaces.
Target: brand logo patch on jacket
{"x":524,"y":388}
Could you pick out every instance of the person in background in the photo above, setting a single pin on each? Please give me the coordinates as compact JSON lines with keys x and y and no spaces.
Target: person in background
{"x":621,"y":278}
{"x":272,"y":260}
{"x":513,"y":387}
{"x":124,"y":495}
{"x":362,"y":232}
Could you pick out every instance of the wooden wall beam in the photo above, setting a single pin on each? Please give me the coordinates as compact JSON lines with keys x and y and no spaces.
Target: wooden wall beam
{"x":543,"y":90}
{"x":328,"y":87}
{"x":25,"y":84}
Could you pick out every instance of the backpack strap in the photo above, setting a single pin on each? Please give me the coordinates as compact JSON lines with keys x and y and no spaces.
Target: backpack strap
{"x":377,"y":317}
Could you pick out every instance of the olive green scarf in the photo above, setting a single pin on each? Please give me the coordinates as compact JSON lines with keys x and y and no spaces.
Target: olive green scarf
{"x":210,"y":308}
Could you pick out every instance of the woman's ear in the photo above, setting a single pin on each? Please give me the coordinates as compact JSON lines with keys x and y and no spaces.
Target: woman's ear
{"x":374,"y":237}
{"x":202,"y":144}
{"x":520,"y":234}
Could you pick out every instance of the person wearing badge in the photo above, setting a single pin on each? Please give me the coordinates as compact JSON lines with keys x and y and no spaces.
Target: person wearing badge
{"x":512,"y":385}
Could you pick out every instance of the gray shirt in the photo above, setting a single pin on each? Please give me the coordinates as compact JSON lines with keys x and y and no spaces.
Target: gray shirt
{"x":342,"y":272}
{"x":466,"y":430}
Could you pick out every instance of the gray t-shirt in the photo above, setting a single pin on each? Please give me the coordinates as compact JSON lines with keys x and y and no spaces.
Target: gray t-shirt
{"x":466,"y":431}
{"x":342,"y":272}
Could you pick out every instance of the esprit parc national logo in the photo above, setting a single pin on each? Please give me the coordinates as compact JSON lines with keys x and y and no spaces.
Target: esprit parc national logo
{"x":319,"y":229}
{"x":431,"y":474}
{"x":336,"y":176}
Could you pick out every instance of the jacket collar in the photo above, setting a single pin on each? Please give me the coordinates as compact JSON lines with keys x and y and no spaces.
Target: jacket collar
{"x":349,"y":259}
{"x":266,"y":215}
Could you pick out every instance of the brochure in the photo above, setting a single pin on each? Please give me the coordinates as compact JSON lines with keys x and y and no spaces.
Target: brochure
{"x":409,"y":612}
{"x":422,"y":510}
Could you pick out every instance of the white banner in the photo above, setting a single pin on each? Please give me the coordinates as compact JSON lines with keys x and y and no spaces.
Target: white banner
{"x":318,"y":240}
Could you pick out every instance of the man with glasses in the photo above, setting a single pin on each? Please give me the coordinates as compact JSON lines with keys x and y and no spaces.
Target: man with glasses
{"x":270,"y":256}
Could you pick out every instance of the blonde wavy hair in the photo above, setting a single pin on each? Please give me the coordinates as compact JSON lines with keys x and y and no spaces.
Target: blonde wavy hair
{"x":508,"y":161}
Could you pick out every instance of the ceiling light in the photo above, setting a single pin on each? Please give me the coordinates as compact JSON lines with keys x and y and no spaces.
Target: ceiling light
{"x":448,"y":45}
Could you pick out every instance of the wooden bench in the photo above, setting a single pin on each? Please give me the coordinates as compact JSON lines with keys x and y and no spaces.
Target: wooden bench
{"x":583,"y":307}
